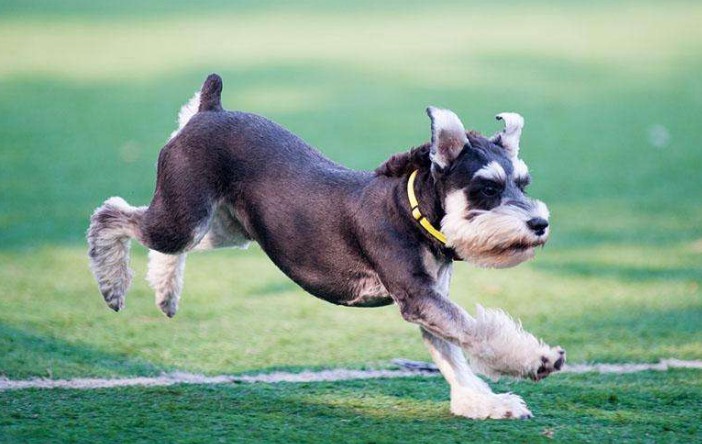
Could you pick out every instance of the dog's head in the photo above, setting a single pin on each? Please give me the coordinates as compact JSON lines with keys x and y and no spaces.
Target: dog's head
{"x":489,"y":221}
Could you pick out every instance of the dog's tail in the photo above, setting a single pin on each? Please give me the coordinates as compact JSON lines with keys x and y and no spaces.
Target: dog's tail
{"x":211,"y":94}
{"x":209,"y":98}
{"x":112,"y":227}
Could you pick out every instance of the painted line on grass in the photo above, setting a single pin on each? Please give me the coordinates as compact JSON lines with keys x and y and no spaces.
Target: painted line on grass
{"x":661,"y":366}
{"x":407,"y":369}
{"x":191,"y":378}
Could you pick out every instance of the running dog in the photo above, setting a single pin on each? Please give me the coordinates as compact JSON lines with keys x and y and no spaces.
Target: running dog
{"x":353,"y":238}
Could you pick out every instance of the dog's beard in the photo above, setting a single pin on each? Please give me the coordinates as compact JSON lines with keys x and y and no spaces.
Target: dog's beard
{"x":498,"y":238}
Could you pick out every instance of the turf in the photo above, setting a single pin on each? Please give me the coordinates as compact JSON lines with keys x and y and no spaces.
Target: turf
{"x":55,"y":324}
{"x":640,"y":408}
{"x":89,"y":92}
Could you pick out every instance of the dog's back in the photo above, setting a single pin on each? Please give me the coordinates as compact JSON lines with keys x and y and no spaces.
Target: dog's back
{"x":215,"y":170}
{"x":247,"y":146}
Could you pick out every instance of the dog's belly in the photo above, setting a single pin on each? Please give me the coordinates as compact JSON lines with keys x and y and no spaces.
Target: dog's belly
{"x":321,"y":257}
{"x":368,"y":291}
{"x":362,"y":290}
{"x":341,"y":286}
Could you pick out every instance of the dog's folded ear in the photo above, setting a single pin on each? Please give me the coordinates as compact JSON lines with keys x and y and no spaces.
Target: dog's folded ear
{"x":448,"y":136}
{"x":508,"y":138}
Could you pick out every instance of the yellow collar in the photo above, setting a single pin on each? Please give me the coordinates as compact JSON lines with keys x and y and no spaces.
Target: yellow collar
{"x":423,"y":221}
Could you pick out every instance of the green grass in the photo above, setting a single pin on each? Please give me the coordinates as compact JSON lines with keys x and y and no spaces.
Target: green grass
{"x":650,"y":407}
{"x":54,"y":324}
{"x":89,"y":92}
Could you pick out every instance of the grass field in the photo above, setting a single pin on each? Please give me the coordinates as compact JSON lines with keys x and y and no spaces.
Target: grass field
{"x":611,"y":93}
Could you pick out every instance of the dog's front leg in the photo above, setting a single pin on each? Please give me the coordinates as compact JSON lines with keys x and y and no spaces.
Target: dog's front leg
{"x":502,"y":347}
{"x":470,"y":396}
{"x":495,"y":343}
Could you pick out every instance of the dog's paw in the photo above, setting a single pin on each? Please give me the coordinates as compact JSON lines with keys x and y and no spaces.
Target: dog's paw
{"x":114,"y":291}
{"x":476,"y":405}
{"x":168,"y":305}
{"x":113,"y":281}
{"x":551,"y":360}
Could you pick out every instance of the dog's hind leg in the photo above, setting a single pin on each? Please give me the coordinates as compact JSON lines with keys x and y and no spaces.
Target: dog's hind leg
{"x":112,"y":227}
{"x":171,"y":227}
{"x":176,"y":220}
{"x":165,"y":273}
{"x":165,"y":276}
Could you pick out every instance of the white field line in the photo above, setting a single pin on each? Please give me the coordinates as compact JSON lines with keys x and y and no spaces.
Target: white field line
{"x":190,"y":378}
{"x":409,"y":369}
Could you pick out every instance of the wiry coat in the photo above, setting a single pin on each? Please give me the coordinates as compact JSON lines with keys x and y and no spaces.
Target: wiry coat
{"x":349,"y":237}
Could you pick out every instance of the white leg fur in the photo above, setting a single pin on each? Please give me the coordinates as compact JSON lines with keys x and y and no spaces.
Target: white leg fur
{"x":112,"y":226}
{"x":471,"y":397}
{"x":165,"y":275}
{"x":503,"y":347}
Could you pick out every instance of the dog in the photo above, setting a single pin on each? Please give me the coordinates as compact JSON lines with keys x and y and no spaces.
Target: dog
{"x":352,"y":238}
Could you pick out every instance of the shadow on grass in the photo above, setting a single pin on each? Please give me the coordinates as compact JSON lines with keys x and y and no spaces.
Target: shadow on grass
{"x":24,"y":354}
{"x":624,"y":334}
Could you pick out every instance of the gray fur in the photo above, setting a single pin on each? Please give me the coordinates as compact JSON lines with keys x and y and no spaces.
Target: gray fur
{"x":348,"y":237}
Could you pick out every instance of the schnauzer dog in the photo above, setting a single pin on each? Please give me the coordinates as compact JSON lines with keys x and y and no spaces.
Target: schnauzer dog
{"x":360,"y":239}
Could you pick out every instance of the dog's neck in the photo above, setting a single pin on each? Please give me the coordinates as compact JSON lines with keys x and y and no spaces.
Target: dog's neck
{"x":431,"y":207}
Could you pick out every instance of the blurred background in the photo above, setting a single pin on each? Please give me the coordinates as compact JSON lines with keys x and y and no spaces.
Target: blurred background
{"x":611,"y":93}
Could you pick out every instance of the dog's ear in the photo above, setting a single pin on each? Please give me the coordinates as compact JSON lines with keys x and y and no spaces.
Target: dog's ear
{"x":508,"y":138}
{"x":448,"y":136}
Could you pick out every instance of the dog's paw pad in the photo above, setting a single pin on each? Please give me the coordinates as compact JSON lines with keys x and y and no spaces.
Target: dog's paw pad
{"x":551,"y":362}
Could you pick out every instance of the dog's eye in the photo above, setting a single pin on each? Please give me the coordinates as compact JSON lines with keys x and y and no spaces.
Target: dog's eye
{"x":490,"y":190}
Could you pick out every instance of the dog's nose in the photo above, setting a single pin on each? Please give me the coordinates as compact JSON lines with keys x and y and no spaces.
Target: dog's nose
{"x":537,"y":225}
